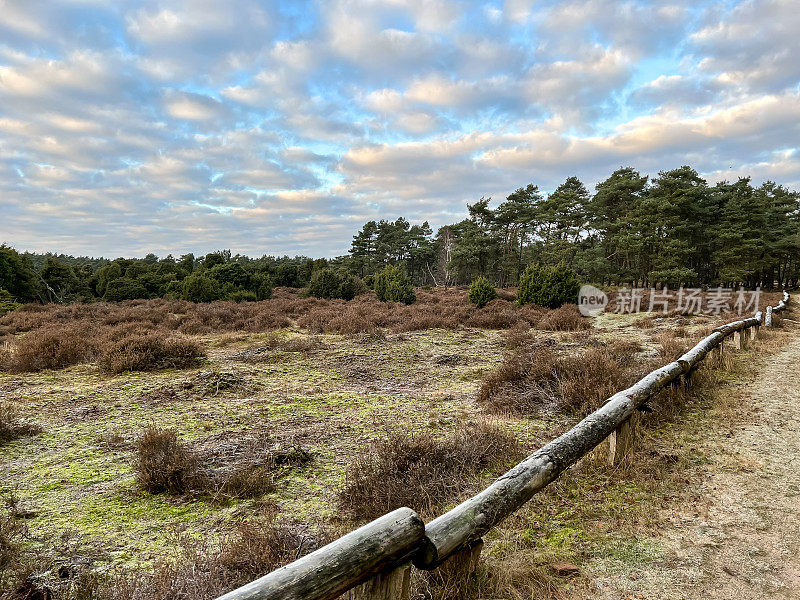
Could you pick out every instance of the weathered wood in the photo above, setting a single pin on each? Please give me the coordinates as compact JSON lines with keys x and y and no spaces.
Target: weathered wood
{"x":454,"y":577}
{"x":394,"y":584}
{"x":470,"y":520}
{"x":693,"y":357}
{"x":341,"y":565}
{"x":768,"y":318}
{"x":737,"y":340}
{"x":621,"y":442}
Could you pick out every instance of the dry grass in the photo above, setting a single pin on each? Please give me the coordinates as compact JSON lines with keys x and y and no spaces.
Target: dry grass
{"x":422,"y":471}
{"x":199,"y":570}
{"x":671,"y":343}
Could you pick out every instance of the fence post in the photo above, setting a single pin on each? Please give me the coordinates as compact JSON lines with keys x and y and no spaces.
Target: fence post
{"x":737,"y":340}
{"x":620,"y":442}
{"x":390,"y":585}
{"x":454,"y":574}
{"x":768,"y":318}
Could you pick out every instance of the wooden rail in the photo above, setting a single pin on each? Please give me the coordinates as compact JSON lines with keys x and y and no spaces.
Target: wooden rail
{"x":373,"y":562}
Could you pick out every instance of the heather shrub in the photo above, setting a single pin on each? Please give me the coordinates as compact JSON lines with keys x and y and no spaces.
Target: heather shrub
{"x":149,"y":352}
{"x":565,"y":318}
{"x":393,"y":285}
{"x":164,"y":464}
{"x":421,"y":470}
{"x":12,"y":426}
{"x":548,"y":286}
{"x":481,"y":292}
{"x":53,"y":347}
{"x":536,"y":378}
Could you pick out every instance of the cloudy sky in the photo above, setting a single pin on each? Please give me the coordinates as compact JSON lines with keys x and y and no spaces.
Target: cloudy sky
{"x":266,"y":127}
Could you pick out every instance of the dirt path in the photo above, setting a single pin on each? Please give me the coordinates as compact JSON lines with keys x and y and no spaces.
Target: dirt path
{"x":738,"y":537}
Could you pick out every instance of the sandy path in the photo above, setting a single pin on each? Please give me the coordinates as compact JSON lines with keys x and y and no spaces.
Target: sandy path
{"x":738,"y":537}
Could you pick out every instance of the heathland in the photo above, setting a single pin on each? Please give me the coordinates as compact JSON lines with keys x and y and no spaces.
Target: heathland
{"x":165,"y":449}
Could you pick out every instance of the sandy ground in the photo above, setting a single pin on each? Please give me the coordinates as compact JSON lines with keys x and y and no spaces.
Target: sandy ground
{"x":736,"y":533}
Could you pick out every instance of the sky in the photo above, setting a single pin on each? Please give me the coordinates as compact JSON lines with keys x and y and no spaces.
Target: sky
{"x":173,"y":126}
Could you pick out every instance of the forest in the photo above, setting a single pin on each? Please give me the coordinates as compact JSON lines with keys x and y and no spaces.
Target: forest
{"x":673,"y":229}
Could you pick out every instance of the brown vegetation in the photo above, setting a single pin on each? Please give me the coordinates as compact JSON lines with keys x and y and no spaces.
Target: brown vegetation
{"x":148,"y":353}
{"x":12,"y":426}
{"x":537,"y":377}
{"x":565,"y":318}
{"x":421,"y":470}
{"x":201,"y":571}
{"x":164,"y":464}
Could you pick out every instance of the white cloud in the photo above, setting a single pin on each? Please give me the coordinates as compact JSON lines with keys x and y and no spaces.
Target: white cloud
{"x":193,"y":107}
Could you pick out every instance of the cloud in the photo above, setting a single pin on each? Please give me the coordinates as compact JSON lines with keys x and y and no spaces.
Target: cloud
{"x":177,"y":126}
{"x":755,"y":46}
{"x":193,"y":107}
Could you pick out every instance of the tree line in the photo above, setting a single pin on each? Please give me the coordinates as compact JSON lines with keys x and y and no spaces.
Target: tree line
{"x":672,"y":230}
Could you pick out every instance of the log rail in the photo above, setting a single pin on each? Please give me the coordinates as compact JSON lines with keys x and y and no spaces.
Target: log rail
{"x":374,"y":562}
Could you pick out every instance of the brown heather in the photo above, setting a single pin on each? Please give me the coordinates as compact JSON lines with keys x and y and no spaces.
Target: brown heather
{"x":421,"y":470}
{"x":536,"y":378}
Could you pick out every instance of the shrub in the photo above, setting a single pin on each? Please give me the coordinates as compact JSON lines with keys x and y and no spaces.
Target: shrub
{"x":422,"y":471}
{"x":265,"y":289}
{"x":565,"y":318}
{"x":350,"y":287}
{"x":7,"y":302}
{"x":242,"y":296}
{"x":532,"y":379}
{"x":548,"y":286}
{"x":329,"y":284}
{"x":11,"y":426}
{"x":149,"y":352}
{"x":200,"y":288}
{"x":324,"y":284}
{"x":481,"y":292}
{"x":392,"y":285}
{"x":163,"y":464}
{"x":53,"y":347}
{"x":124,"y":289}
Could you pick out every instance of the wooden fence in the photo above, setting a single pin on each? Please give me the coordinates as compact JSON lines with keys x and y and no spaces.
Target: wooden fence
{"x":374,"y":562}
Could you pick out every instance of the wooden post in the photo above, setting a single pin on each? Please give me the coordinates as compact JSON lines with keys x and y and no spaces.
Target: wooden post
{"x":754,"y":333}
{"x":391,"y":585}
{"x":454,"y":575}
{"x":620,"y":442}
{"x":737,"y":340}
{"x":768,"y":318}
{"x":719,"y":351}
